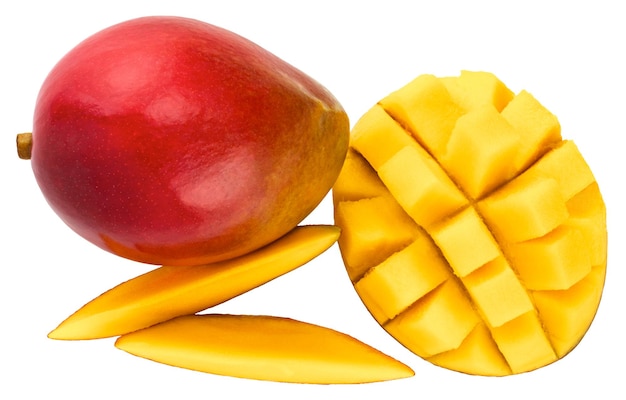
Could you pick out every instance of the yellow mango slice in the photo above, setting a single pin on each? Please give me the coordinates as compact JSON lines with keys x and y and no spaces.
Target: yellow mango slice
{"x":567,"y":314}
{"x":509,"y":208}
{"x":262,"y":348}
{"x":168,"y":292}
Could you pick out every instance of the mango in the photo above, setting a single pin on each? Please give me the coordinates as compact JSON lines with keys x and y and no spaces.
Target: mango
{"x":474,"y":233}
{"x":169,"y":140}
{"x":262,"y":348}
{"x":171,"y":291}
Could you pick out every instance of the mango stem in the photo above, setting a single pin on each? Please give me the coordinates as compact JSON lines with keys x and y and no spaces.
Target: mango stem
{"x":24,"y":145}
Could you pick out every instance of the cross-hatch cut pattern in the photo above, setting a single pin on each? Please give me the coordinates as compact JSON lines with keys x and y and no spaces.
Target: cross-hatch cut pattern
{"x":472,"y":232}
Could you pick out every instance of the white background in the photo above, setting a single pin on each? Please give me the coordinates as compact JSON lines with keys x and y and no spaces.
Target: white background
{"x":570,"y":55}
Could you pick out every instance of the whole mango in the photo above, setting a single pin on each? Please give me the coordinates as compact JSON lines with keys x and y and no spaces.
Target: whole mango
{"x":168,"y":140}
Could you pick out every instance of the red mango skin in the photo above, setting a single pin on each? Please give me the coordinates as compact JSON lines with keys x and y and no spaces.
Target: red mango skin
{"x":167,"y":140}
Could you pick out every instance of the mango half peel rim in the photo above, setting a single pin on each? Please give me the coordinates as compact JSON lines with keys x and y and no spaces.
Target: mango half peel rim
{"x":171,"y":291}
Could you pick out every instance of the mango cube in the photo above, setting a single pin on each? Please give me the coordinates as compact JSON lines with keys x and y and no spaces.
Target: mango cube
{"x":382,"y":229}
{"x":502,"y":266}
{"x":477,"y":350}
{"x":420,"y":186}
{"x":404,"y":277}
{"x":588,"y":215}
{"x":427,"y":109}
{"x":524,"y":209}
{"x":524,"y":343}
{"x":566,"y":166}
{"x":377,"y":136}
{"x":567,"y":314}
{"x":555,"y":261}
{"x":480,"y":149}
{"x":439,"y":322}
{"x":466,"y":242}
{"x":497,"y":293}
{"x":357,"y":180}
{"x":473,"y":89}
{"x":537,"y":127}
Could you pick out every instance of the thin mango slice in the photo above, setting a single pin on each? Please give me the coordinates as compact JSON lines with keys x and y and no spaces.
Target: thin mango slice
{"x":169,"y":292}
{"x":262,"y":348}
{"x":514,"y":214}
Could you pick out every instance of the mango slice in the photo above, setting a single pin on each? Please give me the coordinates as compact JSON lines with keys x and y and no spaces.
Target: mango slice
{"x":169,"y":292}
{"x":263,"y":348}
{"x":480,"y":233}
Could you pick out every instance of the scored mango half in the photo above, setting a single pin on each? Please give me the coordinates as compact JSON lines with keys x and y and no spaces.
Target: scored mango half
{"x":473,"y":233}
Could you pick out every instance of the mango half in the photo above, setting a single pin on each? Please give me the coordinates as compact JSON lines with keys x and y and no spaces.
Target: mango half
{"x":473,"y":233}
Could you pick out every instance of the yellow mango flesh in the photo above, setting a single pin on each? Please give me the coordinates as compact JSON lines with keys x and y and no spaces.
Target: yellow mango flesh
{"x":497,"y":293}
{"x":377,"y":228}
{"x":263,"y":348}
{"x":169,"y":292}
{"x":481,"y":162}
{"x":465,"y":256}
{"x":403,"y":278}
{"x":426,"y":107}
{"x":489,"y":252}
{"x":422,"y":189}
{"x":438,"y":322}
{"x":473,"y":89}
